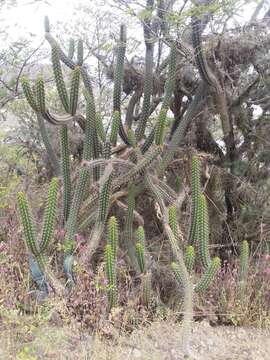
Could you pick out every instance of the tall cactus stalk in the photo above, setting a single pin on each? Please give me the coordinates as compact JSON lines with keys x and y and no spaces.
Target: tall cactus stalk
{"x":148,"y":76}
{"x":118,"y":79}
{"x":65,"y":165}
{"x":110,"y":260}
{"x":195,"y":196}
{"x":243,"y":273}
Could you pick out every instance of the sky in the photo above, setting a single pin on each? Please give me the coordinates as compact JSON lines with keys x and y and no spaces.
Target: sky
{"x":28,"y":14}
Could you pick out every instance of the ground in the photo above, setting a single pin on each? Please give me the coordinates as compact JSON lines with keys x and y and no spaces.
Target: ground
{"x":158,"y":341}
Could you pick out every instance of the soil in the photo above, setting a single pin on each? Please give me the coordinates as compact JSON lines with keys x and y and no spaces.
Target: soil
{"x":159,"y":341}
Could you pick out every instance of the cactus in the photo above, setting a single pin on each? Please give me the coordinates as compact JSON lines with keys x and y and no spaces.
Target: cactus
{"x":65,"y":164}
{"x":28,"y":225}
{"x":100,"y":128}
{"x":40,"y":94}
{"x":177,"y":184}
{"x":111,"y":276}
{"x":148,"y":77}
{"x":190,"y":258}
{"x":169,"y":88}
{"x":28,"y":93}
{"x":74,"y":90}
{"x":115,"y":128}
{"x":118,"y":78}
{"x":195,"y":196}
{"x":209,"y":275}
{"x":38,"y":264}
{"x":80,"y":52}
{"x":49,"y":216}
{"x":146,"y":289}
{"x":104,"y":199}
{"x":203,"y":231}
{"x":58,"y":75}
{"x":113,"y":235}
{"x":129,"y":225}
{"x":243,"y":272}
{"x":71,"y":48}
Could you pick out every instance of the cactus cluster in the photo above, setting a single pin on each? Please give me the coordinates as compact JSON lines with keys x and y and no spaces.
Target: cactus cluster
{"x":103,"y":180}
{"x":37,"y":247}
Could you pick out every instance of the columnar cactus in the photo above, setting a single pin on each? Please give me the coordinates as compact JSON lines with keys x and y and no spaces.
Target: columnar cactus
{"x":38,"y":264}
{"x":111,"y":260}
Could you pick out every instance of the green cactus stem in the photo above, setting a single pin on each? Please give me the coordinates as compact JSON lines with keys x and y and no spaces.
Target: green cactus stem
{"x":49,"y":216}
{"x":146,"y":289}
{"x":59,"y":80}
{"x":190,"y":258}
{"x":115,"y":128}
{"x":195,"y":198}
{"x":169,"y":88}
{"x":71,"y":48}
{"x":140,"y":256}
{"x":113,"y":235}
{"x":28,"y":224}
{"x":148,"y":77}
{"x":28,"y":93}
{"x":100,"y":127}
{"x":74,"y":90}
{"x":129,"y":226}
{"x":118,"y":79}
{"x":80,"y":52}
{"x":111,"y":276}
{"x":40,"y":94}
{"x":203,"y":232}
{"x":45,"y":138}
{"x":65,"y":165}
{"x":243,"y":272}
{"x":208,"y":276}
